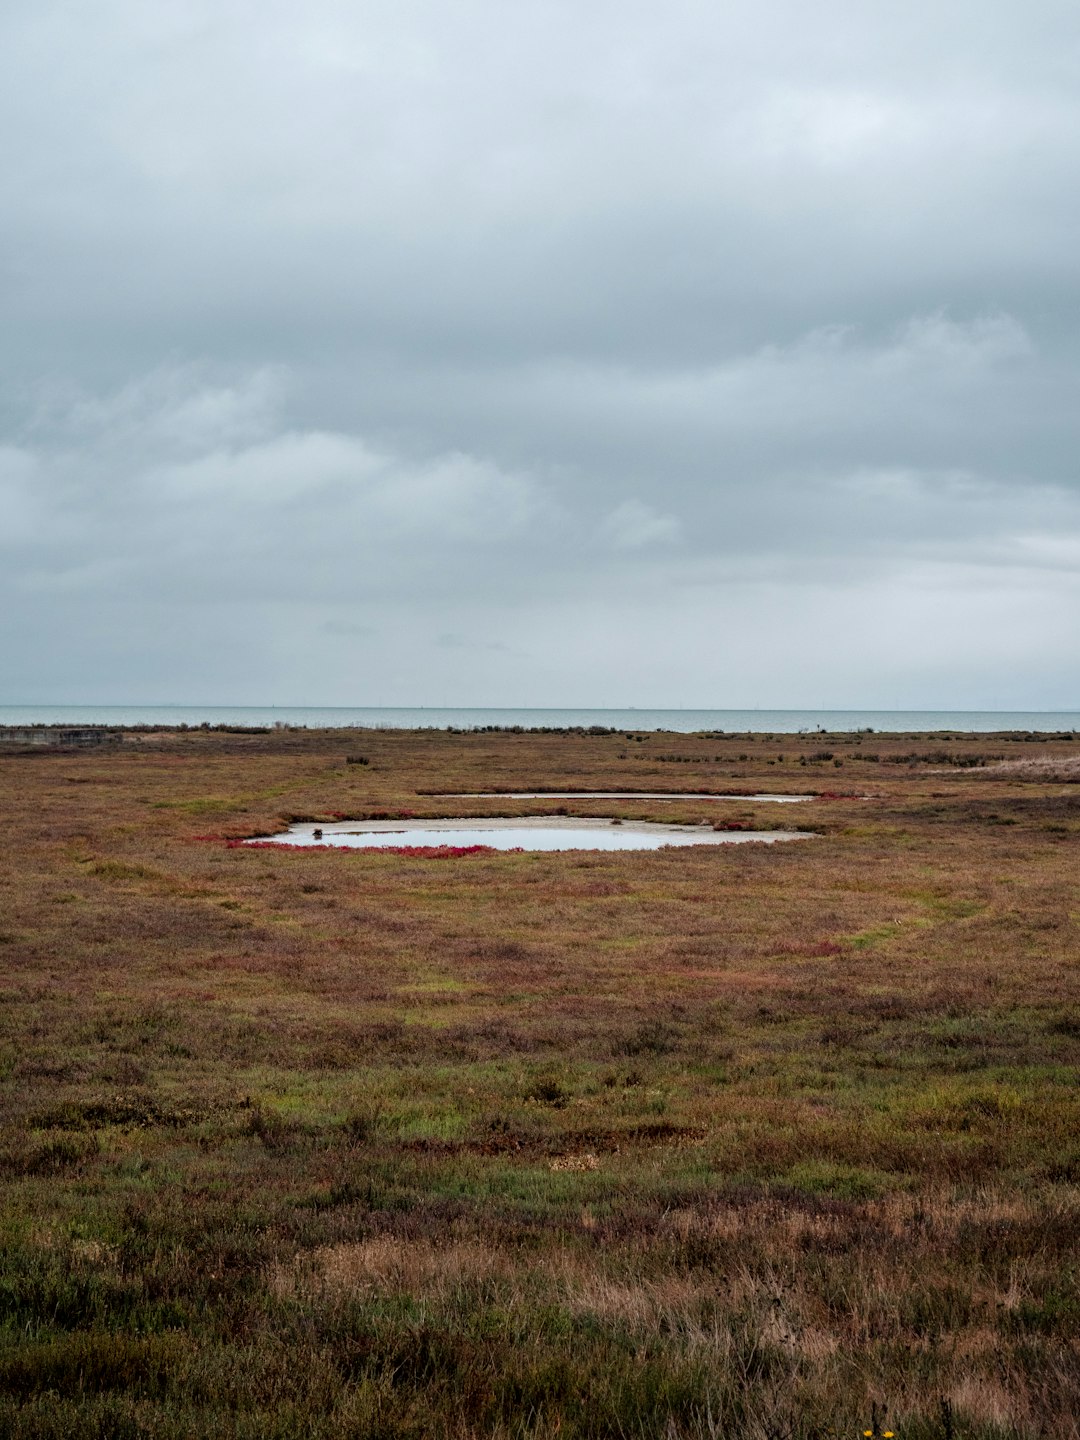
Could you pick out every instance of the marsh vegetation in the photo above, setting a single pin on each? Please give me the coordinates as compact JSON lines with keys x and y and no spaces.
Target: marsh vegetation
{"x":764,"y":1141}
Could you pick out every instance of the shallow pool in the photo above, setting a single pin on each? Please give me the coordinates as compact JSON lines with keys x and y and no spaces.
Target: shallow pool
{"x":540,"y":832}
{"x":610,"y":795}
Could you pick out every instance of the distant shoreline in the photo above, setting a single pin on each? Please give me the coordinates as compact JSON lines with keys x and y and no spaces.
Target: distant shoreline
{"x":451,"y":718}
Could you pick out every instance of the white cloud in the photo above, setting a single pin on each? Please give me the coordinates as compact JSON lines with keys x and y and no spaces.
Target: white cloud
{"x":413,"y":318}
{"x":634,"y":525}
{"x":459,"y":498}
{"x":123,"y":492}
{"x":20,"y":515}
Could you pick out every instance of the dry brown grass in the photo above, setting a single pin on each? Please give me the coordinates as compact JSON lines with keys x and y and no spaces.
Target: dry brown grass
{"x":692,"y":1143}
{"x":1065,"y":768}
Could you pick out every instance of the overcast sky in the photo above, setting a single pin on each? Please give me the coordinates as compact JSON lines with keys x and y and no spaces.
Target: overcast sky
{"x":543,"y":353}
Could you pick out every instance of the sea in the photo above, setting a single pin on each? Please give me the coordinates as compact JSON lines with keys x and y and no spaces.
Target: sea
{"x":731,"y":722}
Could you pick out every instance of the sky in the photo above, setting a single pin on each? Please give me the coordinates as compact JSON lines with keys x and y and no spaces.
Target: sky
{"x":543,"y":353}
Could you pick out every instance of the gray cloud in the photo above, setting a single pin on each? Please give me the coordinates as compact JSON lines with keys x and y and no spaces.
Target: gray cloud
{"x":540,"y":354}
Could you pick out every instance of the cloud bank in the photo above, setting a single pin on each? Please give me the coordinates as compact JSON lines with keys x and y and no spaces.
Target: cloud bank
{"x":535,"y":355}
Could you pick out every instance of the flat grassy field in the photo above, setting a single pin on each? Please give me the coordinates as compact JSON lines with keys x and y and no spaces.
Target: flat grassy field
{"x":738,"y":1141}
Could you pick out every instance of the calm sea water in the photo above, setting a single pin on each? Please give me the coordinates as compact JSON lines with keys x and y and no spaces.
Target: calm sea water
{"x":780,"y":722}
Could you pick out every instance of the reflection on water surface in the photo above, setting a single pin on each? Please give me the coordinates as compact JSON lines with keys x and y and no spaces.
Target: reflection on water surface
{"x":540,"y":832}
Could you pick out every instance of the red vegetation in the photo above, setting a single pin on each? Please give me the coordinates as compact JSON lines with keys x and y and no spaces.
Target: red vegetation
{"x":445,"y":852}
{"x":425,"y":852}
